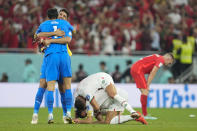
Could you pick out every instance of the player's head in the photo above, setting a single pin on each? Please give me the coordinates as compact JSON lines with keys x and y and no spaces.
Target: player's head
{"x":63,"y":14}
{"x":168,"y":59}
{"x":28,"y":61}
{"x":80,"y":106}
{"x":52,"y":13}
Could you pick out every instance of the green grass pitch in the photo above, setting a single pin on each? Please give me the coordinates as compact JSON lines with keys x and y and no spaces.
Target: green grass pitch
{"x":18,"y":119}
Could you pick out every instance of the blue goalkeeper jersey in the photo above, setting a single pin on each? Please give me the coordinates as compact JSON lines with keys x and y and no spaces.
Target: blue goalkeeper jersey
{"x":51,"y":26}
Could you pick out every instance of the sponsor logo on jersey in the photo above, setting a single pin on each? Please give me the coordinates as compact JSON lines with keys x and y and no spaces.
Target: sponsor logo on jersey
{"x":70,"y":33}
{"x":88,"y":97}
{"x":160,"y":64}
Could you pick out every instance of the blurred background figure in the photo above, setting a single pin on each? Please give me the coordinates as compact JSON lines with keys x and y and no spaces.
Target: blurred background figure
{"x":185,"y":52}
{"x":164,"y":75}
{"x":126,"y":76}
{"x":30,"y":72}
{"x":171,"y":80}
{"x":116,"y":75}
{"x":103,"y":67}
{"x":80,"y":74}
{"x":4,"y":77}
{"x":125,"y":27}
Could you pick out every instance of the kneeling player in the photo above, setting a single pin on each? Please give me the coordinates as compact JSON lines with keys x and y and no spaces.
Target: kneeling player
{"x":96,"y":96}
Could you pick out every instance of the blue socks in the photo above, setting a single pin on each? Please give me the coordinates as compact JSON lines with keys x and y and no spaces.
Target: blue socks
{"x":68,"y":98}
{"x":63,"y":101}
{"x":50,"y":100}
{"x":38,"y":99}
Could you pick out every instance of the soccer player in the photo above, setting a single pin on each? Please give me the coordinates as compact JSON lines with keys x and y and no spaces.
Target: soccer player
{"x":148,"y":65}
{"x":97,"y":93}
{"x":61,"y":49}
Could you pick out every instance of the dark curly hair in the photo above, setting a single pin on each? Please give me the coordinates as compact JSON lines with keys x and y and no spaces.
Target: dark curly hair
{"x":79,"y":106}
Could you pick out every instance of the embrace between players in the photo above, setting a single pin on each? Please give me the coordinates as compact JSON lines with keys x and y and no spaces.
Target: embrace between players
{"x":96,"y":95}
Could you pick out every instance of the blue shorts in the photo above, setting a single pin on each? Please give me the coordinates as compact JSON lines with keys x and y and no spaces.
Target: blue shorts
{"x":58,"y":66}
{"x":42,"y":70}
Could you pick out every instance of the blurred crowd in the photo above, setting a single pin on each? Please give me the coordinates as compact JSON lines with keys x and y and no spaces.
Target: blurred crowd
{"x":105,"y":26}
{"x":164,"y":76}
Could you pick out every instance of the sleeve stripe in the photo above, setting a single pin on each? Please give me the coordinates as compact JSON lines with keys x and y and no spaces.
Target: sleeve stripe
{"x":91,"y":99}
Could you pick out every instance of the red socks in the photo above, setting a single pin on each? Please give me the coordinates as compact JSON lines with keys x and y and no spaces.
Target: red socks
{"x":143,"y":100}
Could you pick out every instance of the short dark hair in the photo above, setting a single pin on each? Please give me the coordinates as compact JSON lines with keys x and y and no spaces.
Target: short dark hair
{"x":171,"y":55}
{"x":66,"y":11}
{"x":80,"y":66}
{"x":129,"y":62}
{"x":117,"y":67}
{"x":102,"y":63}
{"x":28,"y":60}
{"x":52,"y":13}
{"x":79,"y":106}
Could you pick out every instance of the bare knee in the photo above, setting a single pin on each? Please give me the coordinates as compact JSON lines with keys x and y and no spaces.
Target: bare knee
{"x":51,"y":85}
{"x":144,"y":91}
{"x":43,"y":83}
{"x":67,"y":82}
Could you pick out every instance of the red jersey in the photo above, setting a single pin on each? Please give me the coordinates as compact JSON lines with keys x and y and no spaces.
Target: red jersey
{"x":146,"y":64}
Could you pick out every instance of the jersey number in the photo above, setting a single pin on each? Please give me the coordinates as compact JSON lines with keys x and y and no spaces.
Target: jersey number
{"x":55,"y":28}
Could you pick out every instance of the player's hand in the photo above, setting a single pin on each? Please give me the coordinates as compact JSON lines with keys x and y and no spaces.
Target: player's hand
{"x":35,"y":36}
{"x":76,"y":120}
{"x":36,"y":40}
{"x":46,"y":42}
{"x":148,"y":87}
{"x":58,"y":32}
{"x":76,"y":28}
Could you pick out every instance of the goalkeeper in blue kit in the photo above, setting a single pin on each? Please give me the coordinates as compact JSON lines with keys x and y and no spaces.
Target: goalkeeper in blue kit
{"x":56,"y":65}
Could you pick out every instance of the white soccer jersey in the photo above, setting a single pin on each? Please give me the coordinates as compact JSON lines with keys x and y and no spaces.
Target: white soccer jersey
{"x":93,"y":87}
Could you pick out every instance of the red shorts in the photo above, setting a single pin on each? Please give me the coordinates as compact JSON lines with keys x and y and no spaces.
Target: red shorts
{"x":138,"y":75}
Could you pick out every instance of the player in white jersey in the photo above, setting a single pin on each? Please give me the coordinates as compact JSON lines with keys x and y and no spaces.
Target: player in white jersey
{"x":96,"y":96}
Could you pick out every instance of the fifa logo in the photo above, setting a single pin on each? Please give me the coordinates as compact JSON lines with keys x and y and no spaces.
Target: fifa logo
{"x":180,"y":97}
{"x":188,"y":97}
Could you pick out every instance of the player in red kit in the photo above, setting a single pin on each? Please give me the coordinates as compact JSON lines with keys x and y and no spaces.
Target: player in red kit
{"x":148,"y":65}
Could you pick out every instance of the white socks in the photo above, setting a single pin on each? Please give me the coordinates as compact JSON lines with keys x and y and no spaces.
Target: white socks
{"x":124,"y":103}
{"x":121,"y":119}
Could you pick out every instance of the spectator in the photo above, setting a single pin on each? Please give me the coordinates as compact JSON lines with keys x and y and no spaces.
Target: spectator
{"x":30,"y":73}
{"x":103,"y":67}
{"x":80,"y":74}
{"x":126,"y":77}
{"x":185,"y":54}
{"x":193,"y":79}
{"x":103,"y":25}
{"x":175,"y":16}
{"x":108,"y":43}
{"x":171,"y":80}
{"x":4,"y":77}
{"x":165,"y":75}
{"x":155,"y":45}
{"x":116,"y":75}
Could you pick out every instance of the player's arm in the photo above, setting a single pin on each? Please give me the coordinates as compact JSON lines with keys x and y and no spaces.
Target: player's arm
{"x":63,"y":40}
{"x":152,"y":75}
{"x":88,"y":120}
{"x":96,"y":108}
{"x":111,"y":90}
{"x":58,"y":32}
{"x":74,"y":29}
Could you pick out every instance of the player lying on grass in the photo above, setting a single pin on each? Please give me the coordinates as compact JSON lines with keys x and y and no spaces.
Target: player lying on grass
{"x":96,"y":96}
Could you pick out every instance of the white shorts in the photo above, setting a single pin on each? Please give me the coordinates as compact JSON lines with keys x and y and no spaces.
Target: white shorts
{"x":115,"y":105}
